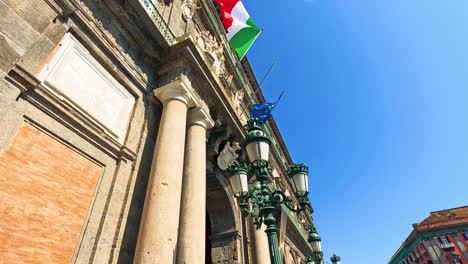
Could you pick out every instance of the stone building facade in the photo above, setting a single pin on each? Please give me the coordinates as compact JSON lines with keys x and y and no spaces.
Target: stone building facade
{"x":441,"y":238}
{"x":116,"y":118}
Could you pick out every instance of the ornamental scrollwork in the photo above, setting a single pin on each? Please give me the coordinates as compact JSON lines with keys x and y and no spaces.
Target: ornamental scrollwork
{"x":259,"y":198}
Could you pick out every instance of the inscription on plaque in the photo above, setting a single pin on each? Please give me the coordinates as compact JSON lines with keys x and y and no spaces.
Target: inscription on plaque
{"x":77,"y":78}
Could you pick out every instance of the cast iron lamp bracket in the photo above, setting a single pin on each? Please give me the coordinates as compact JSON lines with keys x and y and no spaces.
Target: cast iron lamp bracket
{"x":260,"y":202}
{"x":261,"y":196}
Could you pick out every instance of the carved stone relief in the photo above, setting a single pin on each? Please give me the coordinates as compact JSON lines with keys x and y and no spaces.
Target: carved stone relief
{"x":213,"y":50}
{"x":302,"y":221}
{"x":281,"y":184}
{"x":208,"y":44}
{"x":237,"y":99}
{"x":228,"y":155}
{"x":188,"y":9}
{"x":217,"y":137}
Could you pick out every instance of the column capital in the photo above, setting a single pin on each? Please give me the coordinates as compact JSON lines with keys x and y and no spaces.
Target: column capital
{"x":200,"y":116}
{"x":180,"y":89}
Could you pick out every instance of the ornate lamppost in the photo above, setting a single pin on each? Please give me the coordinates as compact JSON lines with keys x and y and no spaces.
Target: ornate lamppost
{"x":335,"y":259}
{"x":261,"y":202}
{"x":310,"y":260}
{"x":316,"y":243}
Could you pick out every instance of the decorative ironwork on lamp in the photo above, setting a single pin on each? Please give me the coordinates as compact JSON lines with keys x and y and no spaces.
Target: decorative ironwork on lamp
{"x":261,"y":202}
{"x":316,"y":242}
{"x":335,"y":259}
{"x":310,"y":260}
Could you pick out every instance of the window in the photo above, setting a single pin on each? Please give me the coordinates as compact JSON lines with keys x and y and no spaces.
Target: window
{"x":456,"y":259}
{"x":416,"y":252}
{"x":422,"y":249}
{"x":465,"y":235}
{"x":443,"y":240}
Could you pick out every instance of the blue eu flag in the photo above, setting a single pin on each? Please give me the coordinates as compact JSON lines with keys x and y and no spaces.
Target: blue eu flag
{"x":262,"y":112}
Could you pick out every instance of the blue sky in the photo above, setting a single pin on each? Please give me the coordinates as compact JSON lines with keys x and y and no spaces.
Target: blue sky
{"x":376,"y":105}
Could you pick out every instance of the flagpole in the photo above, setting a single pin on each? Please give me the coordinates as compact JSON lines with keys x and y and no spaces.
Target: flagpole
{"x":279,"y":98}
{"x":266,"y":74}
{"x":264,"y":78}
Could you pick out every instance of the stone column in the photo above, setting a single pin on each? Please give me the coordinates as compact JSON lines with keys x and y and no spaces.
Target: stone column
{"x":262,"y":253}
{"x":157,"y":238}
{"x":191,"y":242}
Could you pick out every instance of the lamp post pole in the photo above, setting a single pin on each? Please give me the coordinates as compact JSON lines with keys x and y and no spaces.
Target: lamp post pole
{"x":272,"y":233}
{"x":261,"y":202}
{"x":265,"y":202}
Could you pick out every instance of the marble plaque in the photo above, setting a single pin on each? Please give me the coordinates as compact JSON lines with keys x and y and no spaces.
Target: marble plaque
{"x":76,"y":77}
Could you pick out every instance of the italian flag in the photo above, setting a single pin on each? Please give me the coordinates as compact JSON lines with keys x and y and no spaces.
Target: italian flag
{"x":241,"y":30}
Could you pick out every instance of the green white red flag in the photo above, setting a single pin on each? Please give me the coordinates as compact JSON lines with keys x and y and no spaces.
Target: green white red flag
{"x":241,"y":30}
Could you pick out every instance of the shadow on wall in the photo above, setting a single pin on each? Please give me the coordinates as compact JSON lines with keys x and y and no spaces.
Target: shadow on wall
{"x":130,"y":236}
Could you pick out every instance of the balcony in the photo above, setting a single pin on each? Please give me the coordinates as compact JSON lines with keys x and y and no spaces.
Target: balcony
{"x":446,"y":245}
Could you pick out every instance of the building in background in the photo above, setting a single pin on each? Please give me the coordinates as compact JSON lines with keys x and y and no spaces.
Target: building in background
{"x":117,"y":121}
{"x":441,"y":238}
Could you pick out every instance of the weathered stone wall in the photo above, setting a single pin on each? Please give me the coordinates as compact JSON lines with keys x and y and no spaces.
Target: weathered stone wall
{"x":30,"y":32}
{"x":113,"y":33}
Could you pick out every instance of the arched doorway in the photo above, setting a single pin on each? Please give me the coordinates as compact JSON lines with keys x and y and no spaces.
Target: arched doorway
{"x":223,"y":230}
{"x":207,"y":240}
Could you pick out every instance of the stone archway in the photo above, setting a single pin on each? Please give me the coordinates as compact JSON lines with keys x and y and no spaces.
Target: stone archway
{"x":208,"y":259}
{"x":224,"y":220}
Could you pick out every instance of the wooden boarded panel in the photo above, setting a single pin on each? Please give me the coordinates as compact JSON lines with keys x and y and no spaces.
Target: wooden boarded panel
{"x":46,"y":190}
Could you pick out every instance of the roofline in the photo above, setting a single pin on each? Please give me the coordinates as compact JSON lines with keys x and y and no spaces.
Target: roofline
{"x":450,"y":222}
{"x":444,"y":210}
{"x":409,"y":239}
{"x":415,"y":233}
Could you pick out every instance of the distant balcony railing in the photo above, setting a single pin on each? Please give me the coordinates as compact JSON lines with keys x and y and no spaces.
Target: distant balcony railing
{"x":158,"y":20}
{"x":446,"y":245}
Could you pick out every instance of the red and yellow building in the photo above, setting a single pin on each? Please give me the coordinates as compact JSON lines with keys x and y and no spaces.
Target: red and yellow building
{"x":441,"y":238}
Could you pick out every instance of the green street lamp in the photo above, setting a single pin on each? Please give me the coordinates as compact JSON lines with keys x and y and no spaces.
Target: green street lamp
{"x":261,"y":202}
{"x":316,"y":243}
{"x":310,"y":260}
{"x":335,"y":259}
